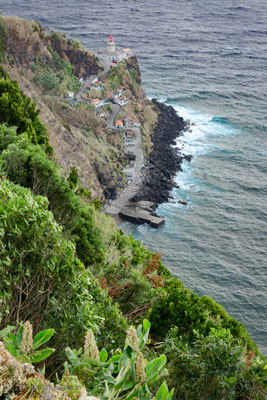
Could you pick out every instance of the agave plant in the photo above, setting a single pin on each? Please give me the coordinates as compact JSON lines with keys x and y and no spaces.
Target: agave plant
{"x":23,"y":346}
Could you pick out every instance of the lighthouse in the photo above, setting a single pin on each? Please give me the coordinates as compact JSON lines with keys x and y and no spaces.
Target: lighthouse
{"x":113,"y":54}
{"x":110,"y":44}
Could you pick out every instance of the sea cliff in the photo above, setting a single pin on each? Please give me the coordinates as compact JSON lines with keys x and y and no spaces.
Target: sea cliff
{"x":67,"y":268}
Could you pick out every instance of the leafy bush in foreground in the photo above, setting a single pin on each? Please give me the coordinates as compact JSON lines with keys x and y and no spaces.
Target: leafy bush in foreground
{"x":40,"y":277}
{"x":28,"y":165}
{"x":23,"y":346}
{"x":126,"y":375}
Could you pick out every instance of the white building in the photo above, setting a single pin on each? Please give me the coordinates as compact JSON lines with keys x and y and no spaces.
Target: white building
{"x":130,"y":123}
{"x":129,"y":138}
{"x":112,"y":54}
{"x":121,"y":101}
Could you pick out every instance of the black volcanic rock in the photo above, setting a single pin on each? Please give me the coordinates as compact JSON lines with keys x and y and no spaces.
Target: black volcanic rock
{"x":188,"y":157}
{"x":110,"y":192}
{"x":164,"y":161}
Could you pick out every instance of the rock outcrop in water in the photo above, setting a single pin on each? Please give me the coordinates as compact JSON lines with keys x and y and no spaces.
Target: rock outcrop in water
{"x":164,"y":161}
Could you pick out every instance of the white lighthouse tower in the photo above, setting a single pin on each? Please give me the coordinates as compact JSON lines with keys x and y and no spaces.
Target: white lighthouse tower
{"x":111,"y":44}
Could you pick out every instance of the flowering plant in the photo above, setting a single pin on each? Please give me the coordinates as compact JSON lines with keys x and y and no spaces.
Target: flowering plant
{"x":126,"y":375}
{"x":23,"y":346}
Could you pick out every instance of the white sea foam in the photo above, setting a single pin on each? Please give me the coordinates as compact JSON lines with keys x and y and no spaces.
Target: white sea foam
{"x":197,"y":142}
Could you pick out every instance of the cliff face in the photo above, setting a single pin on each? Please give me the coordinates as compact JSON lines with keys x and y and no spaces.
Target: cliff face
{"x":26,"y":40}
{"x":133,"y":63}
{"x":84,"y":62}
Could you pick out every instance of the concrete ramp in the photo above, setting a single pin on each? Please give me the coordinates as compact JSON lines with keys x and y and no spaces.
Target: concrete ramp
{"x":141,"y":213}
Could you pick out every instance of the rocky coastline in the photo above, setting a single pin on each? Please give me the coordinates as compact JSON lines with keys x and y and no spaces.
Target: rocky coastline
{"x":164,"y":161}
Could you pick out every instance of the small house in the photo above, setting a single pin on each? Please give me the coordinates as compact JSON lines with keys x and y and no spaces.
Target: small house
{"x":128,"y":122}
{"x":127,"y":52}
{"x":97,"y":103}
{"x":69,"y":95}
{"x":129,"y":138}
{"x":118,"y":124}
{"x":129,"y":172}
{"x":136,"y":124}
{"x":121,"y":101}
{"x":97,"y":85}
{"x":119,"y":91}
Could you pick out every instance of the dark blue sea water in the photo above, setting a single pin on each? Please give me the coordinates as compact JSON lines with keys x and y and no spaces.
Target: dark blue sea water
{"x":209,"y":60}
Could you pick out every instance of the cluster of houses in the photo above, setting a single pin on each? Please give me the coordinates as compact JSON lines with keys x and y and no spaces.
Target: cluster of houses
{"x":128,"y":124}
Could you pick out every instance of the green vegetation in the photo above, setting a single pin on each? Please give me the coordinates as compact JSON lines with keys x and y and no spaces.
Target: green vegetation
{"x":76,"y":43}
{"x":17,"y":110}
{"x":38,"y":265}
{"x":213,"y":367}
{"x":117,"y":74}
{"x":134,"y":73}
{"x":29,"y":166}
{"x":126,"y":375}
{"x":3,"y":36}
{"x":47,"y":80}
{"x":180,"y":307}
{"x":64,"y":262}
{"x":23,"y":346}
{"x":55,"y":75}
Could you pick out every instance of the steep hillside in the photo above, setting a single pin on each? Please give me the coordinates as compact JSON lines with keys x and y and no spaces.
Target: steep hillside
{"x":47,"y":66}
{"x":65,"y":267}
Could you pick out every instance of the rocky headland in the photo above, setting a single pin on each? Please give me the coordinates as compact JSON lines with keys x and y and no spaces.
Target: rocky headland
{"x":48,"y":66}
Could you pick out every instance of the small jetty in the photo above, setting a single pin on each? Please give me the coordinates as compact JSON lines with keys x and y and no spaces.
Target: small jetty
{"x":141,"y":212}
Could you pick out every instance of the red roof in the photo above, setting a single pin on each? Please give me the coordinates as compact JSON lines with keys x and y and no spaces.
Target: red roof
{"x":111,"y":37}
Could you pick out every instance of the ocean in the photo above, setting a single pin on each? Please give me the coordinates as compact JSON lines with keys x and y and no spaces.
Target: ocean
{"x":209,"y":61}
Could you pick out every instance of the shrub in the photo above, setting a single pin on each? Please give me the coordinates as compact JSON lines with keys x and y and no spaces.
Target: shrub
{"x":38,"y":266}
{"x":182,"y":308}
{"x":213,"y":367}
{"x":29,"y":166}
{"x":179,"y":307}
{"x":47,"y":80}
{"x":17,"y":110}
{"x":126,"y":375}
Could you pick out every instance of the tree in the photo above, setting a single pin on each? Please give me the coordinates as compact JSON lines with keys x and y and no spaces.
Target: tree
{"x":214,"y":367}
{"x":28,"y":165}
{"x":17,"y":110}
